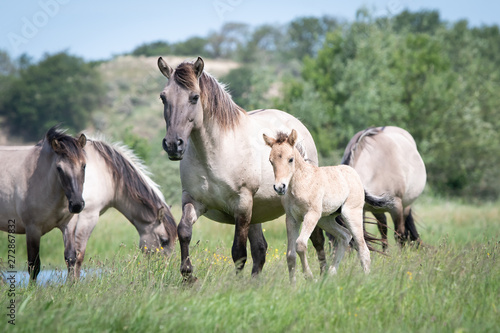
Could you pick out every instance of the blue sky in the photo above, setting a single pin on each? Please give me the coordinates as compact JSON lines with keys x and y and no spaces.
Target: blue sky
{"x":100,"y":29}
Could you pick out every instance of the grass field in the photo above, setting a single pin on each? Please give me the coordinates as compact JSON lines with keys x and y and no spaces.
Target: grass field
{"x":451,"y":285}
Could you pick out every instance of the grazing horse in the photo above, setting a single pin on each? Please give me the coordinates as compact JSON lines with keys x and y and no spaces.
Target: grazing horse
{"x":316,"y":195}
{"x":224,"y":168}
{"x":116,"y":178}
{"x":387,"y":160}
{"x":41,"y":188}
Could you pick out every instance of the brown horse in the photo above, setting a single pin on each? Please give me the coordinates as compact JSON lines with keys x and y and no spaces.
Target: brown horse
{"x":316,"y":195}
{"x":388,"y":162}
{"x":41,"y":188}
{"x":224,"y":168}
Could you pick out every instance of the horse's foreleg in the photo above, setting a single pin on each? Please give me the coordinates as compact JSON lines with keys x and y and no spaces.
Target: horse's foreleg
{"x":310,"y":222}
{"x":318,"y":240}
{"x":33,"y":236}
{"x":382,"y":227}
{"x":292,"y":232}
{"x":68,"y":232}
{"x":184,"y":231}
{"x":84,"y":227}
{"x":258,"y":247}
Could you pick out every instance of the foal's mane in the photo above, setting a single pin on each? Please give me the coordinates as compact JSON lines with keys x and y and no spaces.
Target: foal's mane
{"x":129,"y":171}
{"x":355,"y":141}
{"x":216,"y":100}
{"x":281,"y":138}
{"x":69,"y":146}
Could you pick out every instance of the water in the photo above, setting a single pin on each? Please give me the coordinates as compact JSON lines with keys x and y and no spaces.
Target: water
{"x":46,"y":277}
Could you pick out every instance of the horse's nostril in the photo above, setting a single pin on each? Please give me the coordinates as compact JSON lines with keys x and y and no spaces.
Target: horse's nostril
{"x":164,"y":144}
{"x":180,"y":142}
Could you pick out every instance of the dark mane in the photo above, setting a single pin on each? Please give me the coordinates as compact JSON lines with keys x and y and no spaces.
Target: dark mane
{"x":69,"y":146}
{"x":130,"y":176}
{"x":356,"y":140}
{"x":281,"y":137}
{"x":216,"y":101}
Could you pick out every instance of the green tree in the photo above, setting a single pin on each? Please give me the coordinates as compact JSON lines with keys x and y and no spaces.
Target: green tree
{"x":59,"y":89}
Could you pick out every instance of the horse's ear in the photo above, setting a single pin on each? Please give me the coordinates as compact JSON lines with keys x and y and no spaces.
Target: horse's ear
{"x":198,"y":67}
{"x":165,"y":69}
{"x":82,"y":140}
{"x":161,"y":213}
{"x":268,"y":140}
{"x":292,"y":138}
{"x":55,"y":144}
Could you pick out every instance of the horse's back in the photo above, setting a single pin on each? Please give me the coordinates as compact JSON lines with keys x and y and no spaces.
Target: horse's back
{"x":388,"y":162}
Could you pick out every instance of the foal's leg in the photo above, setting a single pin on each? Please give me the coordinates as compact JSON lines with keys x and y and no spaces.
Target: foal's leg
{"x":382,"y":227}
{"x":33,"y":236}
{"x":191,"y":211}
{"x":342,"y":239}
{"x":310,"y":221}
{"x":292,"y":233}
{"x":258,"y":247}
{"x":353,"y":218}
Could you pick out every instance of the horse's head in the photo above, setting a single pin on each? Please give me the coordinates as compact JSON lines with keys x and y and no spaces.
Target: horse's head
{"x":182,"y":107}
{"x":282,"y":159}
{"x":70,"y":164}
{"x":160,"y":236}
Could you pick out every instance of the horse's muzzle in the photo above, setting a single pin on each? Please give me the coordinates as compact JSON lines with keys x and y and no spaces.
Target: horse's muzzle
{"x":76,"y":207}
{"x":174,"y":149}
{"x":280,"y":189}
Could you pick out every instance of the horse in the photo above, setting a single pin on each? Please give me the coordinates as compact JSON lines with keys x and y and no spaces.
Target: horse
{"x":224,"y":169}
{"x":41,"y":188}
{"x":116,"y":178}
{"x":316,"y":196}
{"x":387,"y":160}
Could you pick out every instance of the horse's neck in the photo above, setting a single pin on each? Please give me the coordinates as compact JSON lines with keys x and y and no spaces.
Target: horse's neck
{"x":302,"y":168}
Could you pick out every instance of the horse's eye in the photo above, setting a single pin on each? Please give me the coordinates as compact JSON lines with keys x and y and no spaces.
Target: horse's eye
{"x":84,"y":166}
{"x":194,"y":99}
{"x":290,"y":160}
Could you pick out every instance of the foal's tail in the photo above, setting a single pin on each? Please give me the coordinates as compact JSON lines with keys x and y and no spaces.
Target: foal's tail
{"x":378,"y":202}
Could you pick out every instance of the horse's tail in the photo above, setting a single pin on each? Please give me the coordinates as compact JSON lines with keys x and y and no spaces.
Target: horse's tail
{"x":370,"y":239}
{"x":411,"y":228}
{"x":384,"y":201}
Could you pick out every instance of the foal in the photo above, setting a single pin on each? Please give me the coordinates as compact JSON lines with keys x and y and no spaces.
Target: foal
{"x":316,"y":195}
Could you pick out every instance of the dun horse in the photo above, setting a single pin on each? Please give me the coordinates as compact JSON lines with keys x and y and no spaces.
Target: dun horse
{"x":316,"y":196}
{"x":41,"y":188}
{"x":116,"y":178}
{"x":224,"y":166}
{"x":387,"y":160}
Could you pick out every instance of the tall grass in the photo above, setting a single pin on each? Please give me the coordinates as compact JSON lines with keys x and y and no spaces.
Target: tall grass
{"x":450,"y":285}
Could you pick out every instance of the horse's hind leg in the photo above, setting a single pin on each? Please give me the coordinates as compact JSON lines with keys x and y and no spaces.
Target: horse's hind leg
{"x":318,"y":240}
{"x":342,"y":238}
{"x":382,"y":227}
{"x":410,"y":227}
{"x":353,"y":219}
{"x":399,"y":223}
{"x":258,"y":247}
{"x":33,"y":236}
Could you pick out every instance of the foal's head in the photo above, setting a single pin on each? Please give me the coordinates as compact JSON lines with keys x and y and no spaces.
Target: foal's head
{"x":69,"y":161}
{"x":282,"y":158}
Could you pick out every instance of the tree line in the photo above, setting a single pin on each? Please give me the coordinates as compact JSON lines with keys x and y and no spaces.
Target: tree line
{"x":437,"y":79}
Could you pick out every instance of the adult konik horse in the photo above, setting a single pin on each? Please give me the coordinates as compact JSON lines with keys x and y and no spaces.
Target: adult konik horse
{"x":225,"y":170}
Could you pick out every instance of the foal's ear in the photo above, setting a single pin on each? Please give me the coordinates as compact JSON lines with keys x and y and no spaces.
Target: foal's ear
{"x":292,"y":138}
{"x":165,"y":69}
{"x":268,"y":140}
{"x":198,"y":67}
{"x":82,"y":140}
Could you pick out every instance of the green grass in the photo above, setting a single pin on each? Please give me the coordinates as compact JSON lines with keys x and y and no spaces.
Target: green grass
{"x":451,"y":285}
